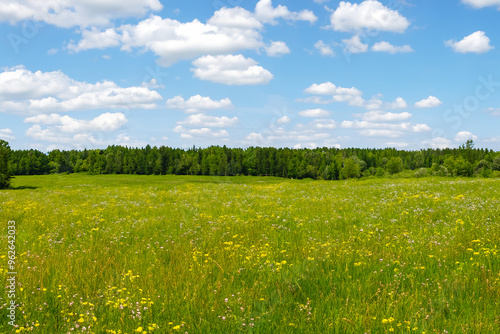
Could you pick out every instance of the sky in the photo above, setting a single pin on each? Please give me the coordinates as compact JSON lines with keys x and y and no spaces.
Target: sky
{"x":406,"y":74}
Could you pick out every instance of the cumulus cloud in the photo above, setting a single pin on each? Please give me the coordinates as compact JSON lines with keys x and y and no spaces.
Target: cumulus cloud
{"x":381,"y":116}
{"x":354,"y":45}
{"x":369,"y":14}
{"x":69,"y":13}
{"x":281,"y":137}
{"x":463,"y":136}
{"x":476,"y":42}
{"x":438,"y":142}
{"x":324,"y":49}
{"x":430,"y":102}
{"x":323,"y":124}
{"x":7,"y":134}
{"x":197,"y":103}
{"x":27,"y":92}
{"x":231,"y":70}
{"x":265,"y":12}
{"x":387,"y":47}
{"x":283,"y":120}
{"x":405,"y":126}
{"x":277,"y":49}
{"x":482,"y":3}
{"x":399,"y":103}
{"x":104,"y":123}
{"x":314,"y":113}
{"x":172,"y":40}
{"x":351,"y":96}
{"x":229,"y":30}
{"x":68,"y":131}
{"x":200,"y":133}
{"x":205,"y":121}
{"x":328,"y":88}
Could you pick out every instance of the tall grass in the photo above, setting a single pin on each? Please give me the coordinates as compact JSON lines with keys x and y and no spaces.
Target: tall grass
{"x":161,"y":254}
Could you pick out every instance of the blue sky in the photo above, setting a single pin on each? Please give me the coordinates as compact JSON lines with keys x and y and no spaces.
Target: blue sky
{"x":407,"y":74}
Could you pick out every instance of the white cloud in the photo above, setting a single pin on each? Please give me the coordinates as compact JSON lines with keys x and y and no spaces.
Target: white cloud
{"x":421,"y":128}
{"x":200,"y":133}
{"x":229,"y":30}
{"x":482,"y":3}
{"x":205,"y":121}
{"x":314,"y":113}
{"x":387,"y":47}
{"x":406,"y":126}
{"x":369,"y":14}
{"x":328,"y":88}
{"x":314,"y":134}
{"x":197,"y":103}
{"x":71,"y":132}
{"x":106,"y":122}
{"x":430,"y":102}
{"x":351,"y":96}
{"x":477,"y":42}
{"x":97,"y":39}
{"x":277,"y":49}
{"x":69,"y":13}
{"x":27,"y":92}
{"x":231,"y":70}
{"x":283,"y":120}
{"x":354,"y":45}
{"x":463,"y":136}
{"x":7,"y":134}
{"x":438,"y":142}
{"x":323,"y":124}
{"x":381,"y":116}
{"x":399,"y":103}
{"x":265,"y":12}
{"x":324,"y":49}
{"x":254,"y":138}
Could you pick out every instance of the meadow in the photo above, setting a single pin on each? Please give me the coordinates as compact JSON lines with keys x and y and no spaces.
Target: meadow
{"x":194,"y":254}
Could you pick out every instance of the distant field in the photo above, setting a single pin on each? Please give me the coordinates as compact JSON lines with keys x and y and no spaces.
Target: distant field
{"x":160,"y":254}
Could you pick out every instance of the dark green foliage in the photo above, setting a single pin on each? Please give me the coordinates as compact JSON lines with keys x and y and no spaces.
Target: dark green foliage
{"x":394,"y":165}
{"x":320,"y":163}
{"x":4,"y":164}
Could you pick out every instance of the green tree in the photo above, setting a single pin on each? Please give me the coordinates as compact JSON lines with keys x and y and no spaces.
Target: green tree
{"x":4,"y":164}
{"x":394,"y":165}
{"x":350,"y":170}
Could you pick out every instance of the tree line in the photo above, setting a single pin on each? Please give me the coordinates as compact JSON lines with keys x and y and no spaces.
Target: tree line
{"x":319,"y":163}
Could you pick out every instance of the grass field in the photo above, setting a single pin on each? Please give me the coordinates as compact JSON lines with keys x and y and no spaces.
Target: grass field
{"x":161,"y":254}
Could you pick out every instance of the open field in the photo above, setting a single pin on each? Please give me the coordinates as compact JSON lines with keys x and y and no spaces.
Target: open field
{"x":161,"y":254}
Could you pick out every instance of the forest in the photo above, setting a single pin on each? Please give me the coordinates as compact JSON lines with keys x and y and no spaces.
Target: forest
{"x":319,"y":163}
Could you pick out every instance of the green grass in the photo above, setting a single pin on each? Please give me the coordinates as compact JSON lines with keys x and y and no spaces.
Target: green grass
{"x":121,"y":253}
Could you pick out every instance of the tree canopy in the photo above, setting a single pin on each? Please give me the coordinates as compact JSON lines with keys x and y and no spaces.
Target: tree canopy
{"x":320,"y":163}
